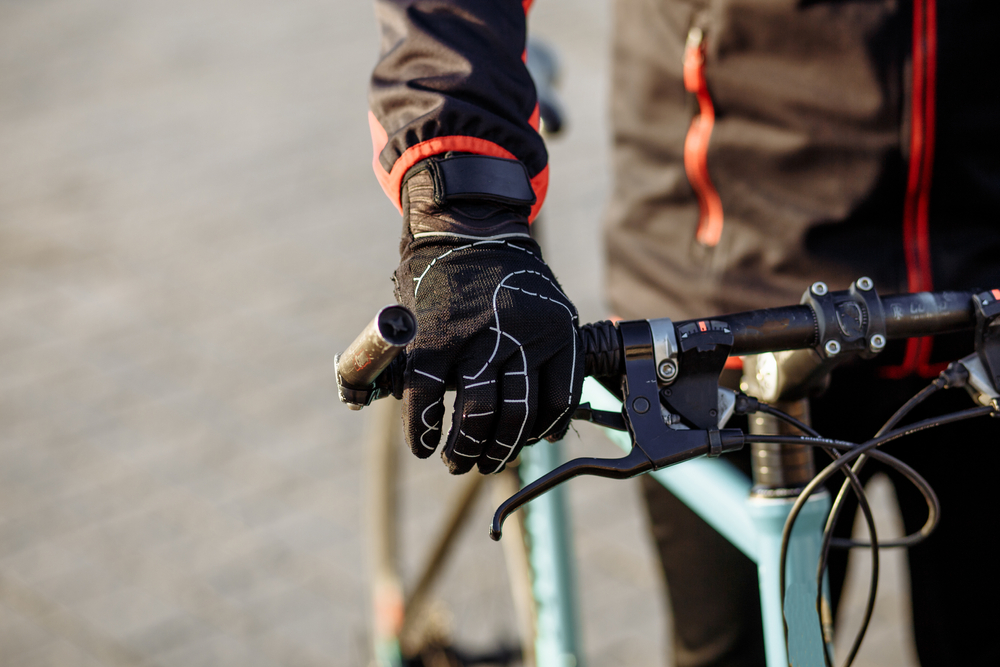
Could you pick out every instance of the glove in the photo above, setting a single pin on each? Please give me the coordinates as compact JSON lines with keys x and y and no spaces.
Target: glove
{"x":493,"y":321}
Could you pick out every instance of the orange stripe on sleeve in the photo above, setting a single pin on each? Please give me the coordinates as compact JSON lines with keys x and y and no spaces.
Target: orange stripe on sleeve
{"x":540,"y":184}
{"x":392,"y":181}
{"x":379,"y":140}
{"x":536,"y":118}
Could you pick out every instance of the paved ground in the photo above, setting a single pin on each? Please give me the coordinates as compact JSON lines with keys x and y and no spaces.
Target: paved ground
{"x":189,"y":230}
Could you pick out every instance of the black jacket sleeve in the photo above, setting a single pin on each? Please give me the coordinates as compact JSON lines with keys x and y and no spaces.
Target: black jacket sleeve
{"x":451,"y":77}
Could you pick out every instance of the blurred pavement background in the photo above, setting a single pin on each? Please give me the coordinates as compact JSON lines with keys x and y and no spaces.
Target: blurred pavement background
{"x":189,"y":231}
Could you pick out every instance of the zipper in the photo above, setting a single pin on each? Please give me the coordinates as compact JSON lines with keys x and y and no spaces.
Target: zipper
{"x":916,"y":207}
{"x":710,"y":218}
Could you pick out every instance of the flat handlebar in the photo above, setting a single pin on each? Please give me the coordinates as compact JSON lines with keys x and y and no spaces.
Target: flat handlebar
{"x":797,"y":327}
{"x":360,"y":368}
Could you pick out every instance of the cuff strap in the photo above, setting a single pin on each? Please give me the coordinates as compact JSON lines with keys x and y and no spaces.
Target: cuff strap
{"x":478,"y":177}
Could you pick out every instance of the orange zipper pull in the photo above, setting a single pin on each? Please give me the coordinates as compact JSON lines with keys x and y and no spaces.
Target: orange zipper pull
{"x":710,"y":217}
{"x":694,"y":61}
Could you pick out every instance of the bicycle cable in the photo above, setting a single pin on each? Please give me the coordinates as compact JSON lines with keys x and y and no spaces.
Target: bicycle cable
{"x":954,"y":376}
{"x":852,"y":452}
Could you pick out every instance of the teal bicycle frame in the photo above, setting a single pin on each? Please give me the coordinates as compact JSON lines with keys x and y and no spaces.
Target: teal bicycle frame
{"x":720,"y":494}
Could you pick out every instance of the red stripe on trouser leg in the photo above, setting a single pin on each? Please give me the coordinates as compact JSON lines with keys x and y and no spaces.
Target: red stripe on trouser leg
{"x":916,"y":208}
{"x":923,"y":240}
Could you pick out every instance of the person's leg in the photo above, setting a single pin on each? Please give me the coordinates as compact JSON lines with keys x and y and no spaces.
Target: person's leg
{"x":712,"y":587}
{"x":955,"y":581}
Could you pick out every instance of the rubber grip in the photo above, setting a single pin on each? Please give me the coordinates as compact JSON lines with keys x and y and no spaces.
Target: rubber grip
{"x":391,"y":330}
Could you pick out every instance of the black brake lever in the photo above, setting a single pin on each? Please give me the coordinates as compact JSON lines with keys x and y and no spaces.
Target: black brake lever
{"x":678,"y":446}
{"x":655,"y":445}
{"x":628,"y":466}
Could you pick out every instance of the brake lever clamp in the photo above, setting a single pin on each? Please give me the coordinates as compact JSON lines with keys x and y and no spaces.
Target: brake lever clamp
{"x":655,"y":444}
{"x":703,"y":347}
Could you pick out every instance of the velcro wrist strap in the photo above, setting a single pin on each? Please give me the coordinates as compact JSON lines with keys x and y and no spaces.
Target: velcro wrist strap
{"x":482,"y":178}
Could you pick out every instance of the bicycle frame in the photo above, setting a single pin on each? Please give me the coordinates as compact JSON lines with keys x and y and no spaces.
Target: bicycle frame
{"x":720,"y":494}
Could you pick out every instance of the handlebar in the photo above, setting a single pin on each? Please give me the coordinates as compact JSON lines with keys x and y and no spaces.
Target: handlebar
{"x":799,"y":327}
{"x":808,"y":325}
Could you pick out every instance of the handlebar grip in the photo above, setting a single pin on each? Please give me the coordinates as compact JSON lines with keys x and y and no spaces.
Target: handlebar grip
{"x":601,"y":349}
{"x":370,"y":368}
{"x":392,"y":329}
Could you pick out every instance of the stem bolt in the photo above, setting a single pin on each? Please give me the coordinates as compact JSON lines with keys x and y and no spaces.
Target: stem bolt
{"x":819,"y":288}
{"x":877,"y":343}
{"x":832,"y":347}
{"x":667,"y":370}
{"x":865,"y":283}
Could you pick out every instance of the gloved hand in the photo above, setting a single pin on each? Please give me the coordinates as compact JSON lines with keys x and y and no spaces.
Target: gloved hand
{"x":492,"y":322}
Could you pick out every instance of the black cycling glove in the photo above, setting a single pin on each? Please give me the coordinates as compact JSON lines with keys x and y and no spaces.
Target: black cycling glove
{"x":493,"y":321}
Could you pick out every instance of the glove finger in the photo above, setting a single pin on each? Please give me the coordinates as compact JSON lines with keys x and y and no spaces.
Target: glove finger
{"x":473,"y":421}
{"x":560,"y":382}
{"x":519,"y":396}
{"x":423,"y":404}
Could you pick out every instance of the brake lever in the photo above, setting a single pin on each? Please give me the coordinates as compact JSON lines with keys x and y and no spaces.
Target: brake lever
{"x":655,"y":445}
{"x":676,"y":447}
{"x":634,"y":463}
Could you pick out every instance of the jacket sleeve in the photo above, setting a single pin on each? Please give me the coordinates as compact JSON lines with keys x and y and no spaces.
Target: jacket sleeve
{"x":451,"y":77}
